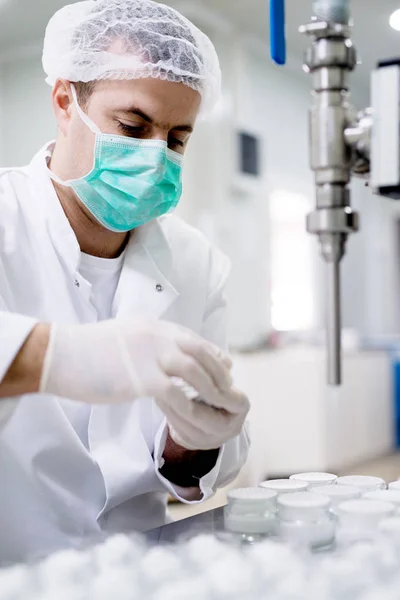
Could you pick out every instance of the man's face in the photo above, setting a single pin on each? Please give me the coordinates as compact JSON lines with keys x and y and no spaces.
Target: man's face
{"x":141,"y":109}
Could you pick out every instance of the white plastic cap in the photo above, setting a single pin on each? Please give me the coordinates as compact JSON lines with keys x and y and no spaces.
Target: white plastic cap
{"x":285,"y":486}
{"x":252,"y":497}
{"x":392,"y":496}
{"x":364,"y":482}
{"x":303,"y":505}
{"x":364,"y":513}
{"x":338,"y":493}
{"x":130,"y":39}
{"x":315,"y":479}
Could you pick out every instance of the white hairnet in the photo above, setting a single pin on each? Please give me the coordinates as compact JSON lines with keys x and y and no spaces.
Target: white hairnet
{"x":130,"y":39}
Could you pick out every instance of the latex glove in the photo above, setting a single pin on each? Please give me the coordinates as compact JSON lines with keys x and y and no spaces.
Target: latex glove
{"x":122,"y":360}
{"x":197,"y":423}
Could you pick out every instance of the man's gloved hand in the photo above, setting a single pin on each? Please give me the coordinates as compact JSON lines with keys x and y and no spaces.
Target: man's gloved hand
{"x":123,"y":360}
{"x":197,"y":426}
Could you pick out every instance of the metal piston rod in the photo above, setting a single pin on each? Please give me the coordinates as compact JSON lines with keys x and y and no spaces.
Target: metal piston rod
{"x":330,"y":60}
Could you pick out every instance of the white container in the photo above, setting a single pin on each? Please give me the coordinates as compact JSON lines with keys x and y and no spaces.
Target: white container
{"x":251,"y":511}
{"x":338,"y":494}
{"x":395,"y":485}
{"x":285,"y":486}
{"x":359,"y":520}
{"x":315,"y":479}
{"x":363,"y":482}
{"x":392,"y":496}
{"x":305,"y":519}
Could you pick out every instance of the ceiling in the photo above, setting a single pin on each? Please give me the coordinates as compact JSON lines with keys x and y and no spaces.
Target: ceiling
{"x":22,"y":26}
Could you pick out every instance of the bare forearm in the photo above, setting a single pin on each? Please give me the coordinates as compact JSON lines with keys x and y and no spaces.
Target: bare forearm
{"x":23,"y":377}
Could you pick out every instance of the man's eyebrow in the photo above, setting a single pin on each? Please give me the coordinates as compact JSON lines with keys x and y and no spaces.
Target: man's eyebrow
{"x":138,"y":113}
{"x":142,"y":115}
{"x":187,"y":128}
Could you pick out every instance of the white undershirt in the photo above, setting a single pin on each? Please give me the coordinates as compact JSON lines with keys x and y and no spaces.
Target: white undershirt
{"x":103,"y":274}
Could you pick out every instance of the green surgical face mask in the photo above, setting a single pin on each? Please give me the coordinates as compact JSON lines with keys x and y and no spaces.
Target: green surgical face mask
{"x":132,"y":181}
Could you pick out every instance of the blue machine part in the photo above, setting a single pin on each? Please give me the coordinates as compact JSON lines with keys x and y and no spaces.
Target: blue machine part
{"x":277,"y":26}
{"x":396,"y":390}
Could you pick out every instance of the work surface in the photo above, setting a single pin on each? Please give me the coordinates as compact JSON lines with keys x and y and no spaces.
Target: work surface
{"x":207,"y":522}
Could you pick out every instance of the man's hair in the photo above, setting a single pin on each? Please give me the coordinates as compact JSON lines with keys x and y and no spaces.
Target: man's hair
{"x":84,"y":92}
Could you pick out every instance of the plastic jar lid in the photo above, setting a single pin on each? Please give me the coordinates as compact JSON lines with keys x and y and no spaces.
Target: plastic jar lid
{"x":315,"y":479}
{"x":285,"y":486}
{"x":253,"y":498}
{"x":395,"y":485}
{"x":303,"y":505}
{"x":355,"y":513}
{"x":365,"y":483}
{"x":338,"y":493}
{"x":392,"y":496}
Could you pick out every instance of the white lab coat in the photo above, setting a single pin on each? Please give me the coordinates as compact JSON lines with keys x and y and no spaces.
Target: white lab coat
{"x":53,"y":490}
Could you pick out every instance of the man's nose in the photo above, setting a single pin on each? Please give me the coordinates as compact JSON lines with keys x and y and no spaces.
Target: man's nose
{"x":160,"y":136}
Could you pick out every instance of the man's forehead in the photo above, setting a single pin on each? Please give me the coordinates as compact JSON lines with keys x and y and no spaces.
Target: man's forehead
{"x":164,"y":104}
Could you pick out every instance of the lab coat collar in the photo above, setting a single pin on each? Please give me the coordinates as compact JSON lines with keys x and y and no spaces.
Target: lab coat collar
{"x":144,"y":286}
{"x":58,"y":227}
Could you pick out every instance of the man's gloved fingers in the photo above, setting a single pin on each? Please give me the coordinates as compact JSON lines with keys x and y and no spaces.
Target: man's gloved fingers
{"x":213,"y":348}
{"x":191,"y":437}
{"x":212,"y":359}
{"x":200,"y":427}
{"x":193,"y":374}
{"x":188,"y":433}
{"x":184,"y":442}
{"x":211,"y":421}
{"x":234,"y":402}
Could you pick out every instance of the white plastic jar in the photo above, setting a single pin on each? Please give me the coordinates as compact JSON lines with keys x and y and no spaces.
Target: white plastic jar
{"x":285,"y":486}
{"x":392,"y":496}
{"x":338,"y":494}
{"x":364,"y":482}
{"x":359,"y":520}
{"x":251,"y":512}
{"x":305,"y":519}
{"x":315,"y":479}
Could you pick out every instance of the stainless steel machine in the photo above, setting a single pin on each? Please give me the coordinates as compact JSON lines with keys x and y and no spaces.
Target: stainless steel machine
{"x":342,"y":142}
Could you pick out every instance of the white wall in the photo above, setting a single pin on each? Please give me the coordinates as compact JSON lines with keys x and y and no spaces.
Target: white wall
{"x":272,"y":104}
{"x":299,"y":424}
{"x":27,"y":121}
{"x":231,"y":209}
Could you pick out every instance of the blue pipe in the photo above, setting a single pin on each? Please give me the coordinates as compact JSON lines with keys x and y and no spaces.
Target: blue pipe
{"x":277,"y":26}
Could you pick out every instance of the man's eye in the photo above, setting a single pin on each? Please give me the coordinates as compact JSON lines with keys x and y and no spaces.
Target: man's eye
{"x":131,"y":130}
{"x":175,"y":143}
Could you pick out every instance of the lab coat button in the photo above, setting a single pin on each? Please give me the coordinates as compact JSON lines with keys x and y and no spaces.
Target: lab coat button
{"x":159,"y":287}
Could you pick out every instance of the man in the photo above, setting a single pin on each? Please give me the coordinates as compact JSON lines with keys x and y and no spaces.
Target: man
{"x":105,"y":300}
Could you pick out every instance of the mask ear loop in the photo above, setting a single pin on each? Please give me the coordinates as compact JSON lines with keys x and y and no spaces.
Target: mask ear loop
{"x":92,"y":126}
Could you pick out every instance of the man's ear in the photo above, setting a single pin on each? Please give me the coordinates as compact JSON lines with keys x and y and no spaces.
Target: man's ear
{"x":62,"y":104}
